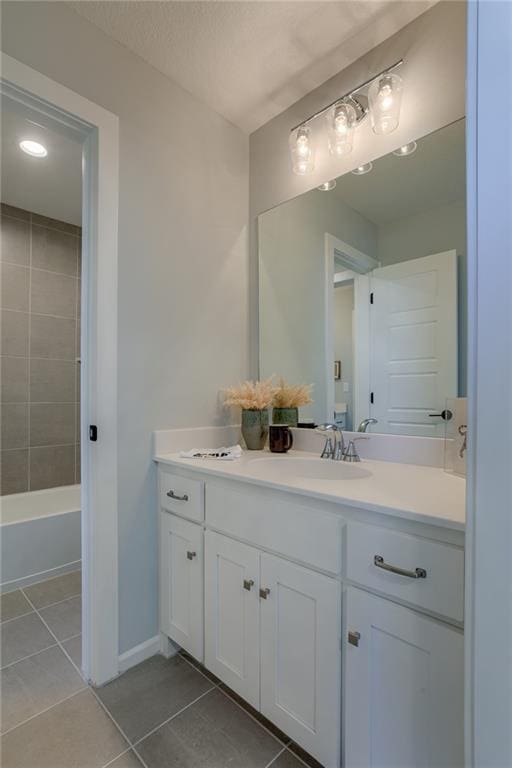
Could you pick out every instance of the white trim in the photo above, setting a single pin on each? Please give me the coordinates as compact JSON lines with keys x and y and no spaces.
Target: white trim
{"x":139,"y":653}
{"x":361,"y":324}
{"x":34,"y":578}
{"x":98,"y":129}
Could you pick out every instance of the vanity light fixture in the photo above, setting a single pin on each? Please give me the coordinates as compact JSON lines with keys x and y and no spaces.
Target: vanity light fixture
{"x":327,"y":186}
{"x":33,"y":148}
{"x":362,"y":169}
{"x":406,"y":150}
{"x":302,"y":151}
{"x":380,"y":96}
{"x":385,"y":97}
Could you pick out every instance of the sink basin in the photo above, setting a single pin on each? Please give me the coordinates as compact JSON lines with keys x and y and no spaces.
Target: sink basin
{"x":291,"y":467}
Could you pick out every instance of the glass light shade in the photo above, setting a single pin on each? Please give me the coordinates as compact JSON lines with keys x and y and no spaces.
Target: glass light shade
{"x":341,"y":121}
{"x":302,"y":151}
{"x":362,"y":169}
{"x":385,"y":96}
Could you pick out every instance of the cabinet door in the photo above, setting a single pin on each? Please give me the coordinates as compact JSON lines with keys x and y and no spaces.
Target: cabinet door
{"x":403,"y":688}
{"x":181,"y":583}
{"x":232,"y":615}
{"x":301,"y":656}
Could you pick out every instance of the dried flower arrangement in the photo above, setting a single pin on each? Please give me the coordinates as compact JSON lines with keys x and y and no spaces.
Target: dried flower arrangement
{"x":292,"y":395}
{"x":251,"y":395}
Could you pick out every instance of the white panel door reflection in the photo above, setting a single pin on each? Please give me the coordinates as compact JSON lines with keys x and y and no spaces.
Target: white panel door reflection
{"x":413,"y":360}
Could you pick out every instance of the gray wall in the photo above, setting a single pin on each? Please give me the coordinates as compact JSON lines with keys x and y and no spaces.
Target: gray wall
{"x":433,"y":47}
{"x":343,"y":307}
{"x":40,"y":302}
{"x":183,"y":272}
{"x":292,"y":287}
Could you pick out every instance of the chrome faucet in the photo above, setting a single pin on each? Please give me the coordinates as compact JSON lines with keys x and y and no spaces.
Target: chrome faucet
{"x":363,"y":426}
{"x":334,"y":447}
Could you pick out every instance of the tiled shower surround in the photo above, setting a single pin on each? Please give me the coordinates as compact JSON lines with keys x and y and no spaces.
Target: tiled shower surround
{"x":40,"y":347}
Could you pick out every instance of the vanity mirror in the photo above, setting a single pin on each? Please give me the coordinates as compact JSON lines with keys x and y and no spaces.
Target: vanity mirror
{"x":362,"y":289}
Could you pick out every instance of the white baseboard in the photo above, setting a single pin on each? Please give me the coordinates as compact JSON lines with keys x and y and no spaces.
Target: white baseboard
{"x":139,"y":653}
{"x":34,"y":578}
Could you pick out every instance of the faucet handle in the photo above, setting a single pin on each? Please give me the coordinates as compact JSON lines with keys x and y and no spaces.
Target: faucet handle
{"x":350,"y":453}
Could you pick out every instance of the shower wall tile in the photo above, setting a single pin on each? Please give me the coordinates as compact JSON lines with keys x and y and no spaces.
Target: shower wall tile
{"x":14,"y":425}
{"x":15,"y":281}
{"x":53,"y":294}
{"x":52,"y":466}
{"x":14,"y":379}
{"x":14,"y":471}
{"x":52,"y":337}
{"x":54,"y":251}
{"x":39,"y":374}
{"x":15,"y":333}
{"x":52,"y":381}
{"x":52,"y":424}
{"x":15,"y":241}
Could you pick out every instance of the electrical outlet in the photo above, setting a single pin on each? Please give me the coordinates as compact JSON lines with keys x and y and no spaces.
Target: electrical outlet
{"x":346,"y":386}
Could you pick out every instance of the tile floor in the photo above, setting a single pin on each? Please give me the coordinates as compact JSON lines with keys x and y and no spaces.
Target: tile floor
{"x":163,"y":713}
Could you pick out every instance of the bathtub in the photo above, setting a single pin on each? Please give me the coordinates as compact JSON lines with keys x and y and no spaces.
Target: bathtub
{"x":40,"y":534}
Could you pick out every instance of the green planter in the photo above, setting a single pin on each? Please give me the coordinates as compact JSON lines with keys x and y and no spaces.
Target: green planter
{"x":288,"y":416}
{"x":255,"y":429}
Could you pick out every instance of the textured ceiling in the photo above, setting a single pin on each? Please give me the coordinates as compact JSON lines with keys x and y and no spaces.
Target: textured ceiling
{"x":250,"y":60}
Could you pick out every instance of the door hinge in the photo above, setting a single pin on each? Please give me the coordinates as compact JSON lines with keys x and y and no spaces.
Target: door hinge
{"x":371,"y":297}
{"x":371,"y":398}
{"x":93,"y":433}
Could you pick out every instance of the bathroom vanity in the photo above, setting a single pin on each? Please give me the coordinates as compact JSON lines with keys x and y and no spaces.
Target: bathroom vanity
{"x":329,"y":596}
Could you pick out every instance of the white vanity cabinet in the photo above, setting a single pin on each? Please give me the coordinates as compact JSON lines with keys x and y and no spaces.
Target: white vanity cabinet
{"x":403,"y":687}
{"x":328,"y":619}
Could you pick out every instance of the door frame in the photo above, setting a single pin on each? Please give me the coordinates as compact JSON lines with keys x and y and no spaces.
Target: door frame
{"x":360,"y":325}
{"x":98,"y":130}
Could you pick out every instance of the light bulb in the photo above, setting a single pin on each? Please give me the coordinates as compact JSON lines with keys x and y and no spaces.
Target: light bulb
{"x":302,"y":151}
{"x":407,"y":149}
{"x":362,"y":169}
{"x":33,"y":148}
{"x":327,"y":186}
{"x":341,"y":120}
{"x":385,"y":96}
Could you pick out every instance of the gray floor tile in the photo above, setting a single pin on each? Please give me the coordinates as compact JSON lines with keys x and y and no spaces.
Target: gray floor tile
{"x":287,"y":760}
{"x":150,"y":693}
{"x":22,"y":637}
{"x":274,"y":730}
{"x":13,"y":604}
{"x":304,"y":756}
{"x":53,"y":590}
{"x":212,"y":733}
{"x":128,"y":760}
{"x":74,"y":648}
{"x":64,"y":619}
{"x":35,"y":684}
{"x":74,"y":734}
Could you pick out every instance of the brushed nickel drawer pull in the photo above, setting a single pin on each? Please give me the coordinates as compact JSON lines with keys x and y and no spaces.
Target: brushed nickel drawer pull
{"x":264,"y":593}
{"x":354,"y":638}
{"x":418,"y":573}
{"x":191,"y":555}
{"x":248,"y":584}
{"x":172,"y":495}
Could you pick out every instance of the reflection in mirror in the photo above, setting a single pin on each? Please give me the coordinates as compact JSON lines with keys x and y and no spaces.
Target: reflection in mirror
{"x":362,"y":290}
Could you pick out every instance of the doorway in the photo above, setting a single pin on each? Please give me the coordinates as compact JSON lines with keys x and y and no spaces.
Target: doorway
{"x":52,"y":109}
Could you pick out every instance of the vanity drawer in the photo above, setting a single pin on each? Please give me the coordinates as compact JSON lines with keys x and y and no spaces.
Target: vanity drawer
{"x":433,"y":577}
{"x":181,"y":495}
{"x":292,"y":530}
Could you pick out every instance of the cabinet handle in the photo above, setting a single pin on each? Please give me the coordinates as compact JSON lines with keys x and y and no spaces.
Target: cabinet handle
{"x":418,"y":573}
{"x":354,"y":638}
{"x":172,"y":495}
{"x":264,"y":593}
{"x":248,"y":583}
{"x":191,"y":555}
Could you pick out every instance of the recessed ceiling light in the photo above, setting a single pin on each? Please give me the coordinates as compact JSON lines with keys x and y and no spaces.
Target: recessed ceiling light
{"x":327,"y":186}
{"x":362,"y":169}
{"x":33,"y":148}
{"x":407,"y":149}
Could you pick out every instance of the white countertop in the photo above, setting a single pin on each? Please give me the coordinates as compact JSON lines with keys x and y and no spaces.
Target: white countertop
{"x":425,"y":494}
